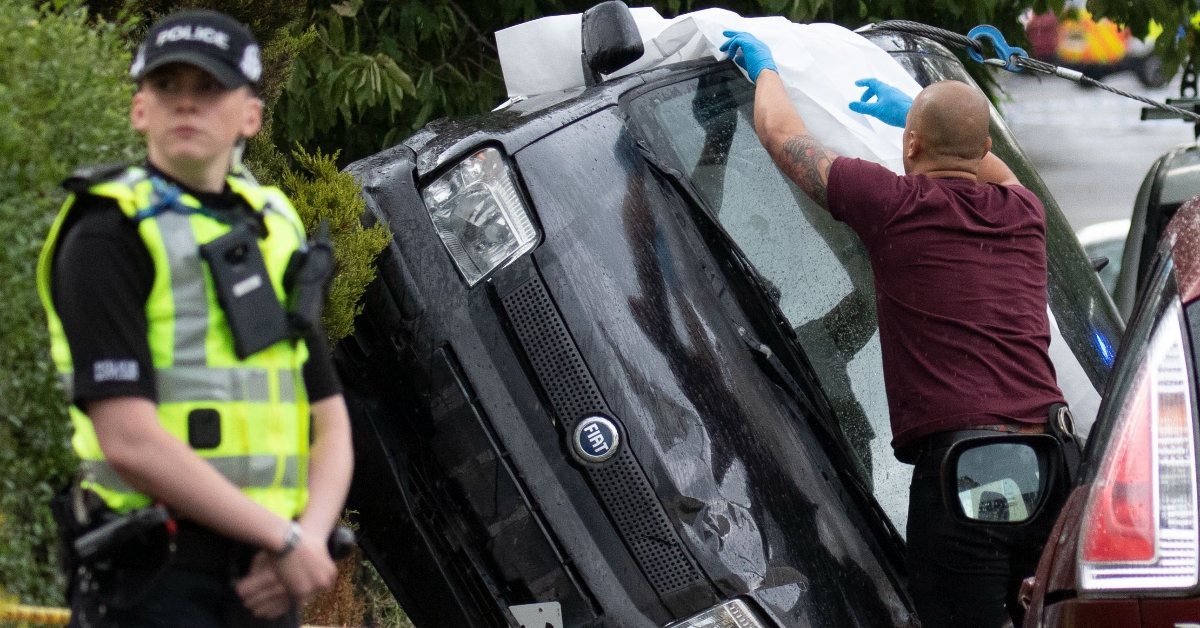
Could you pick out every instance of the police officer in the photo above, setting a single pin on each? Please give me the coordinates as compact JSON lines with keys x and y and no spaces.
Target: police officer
{"x":165,"y":285}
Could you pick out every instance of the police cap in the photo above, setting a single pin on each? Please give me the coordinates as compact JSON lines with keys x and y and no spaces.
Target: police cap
{"x":209,"y":40}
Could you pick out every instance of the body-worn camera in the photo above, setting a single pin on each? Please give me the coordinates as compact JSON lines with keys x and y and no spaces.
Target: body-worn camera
{"x":256,"y":317}
{"x":244,"y":291}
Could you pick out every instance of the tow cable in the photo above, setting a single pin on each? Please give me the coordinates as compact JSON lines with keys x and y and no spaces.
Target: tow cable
{"x":1014,"y":59}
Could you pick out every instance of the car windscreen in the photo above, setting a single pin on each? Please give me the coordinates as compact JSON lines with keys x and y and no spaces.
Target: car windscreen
{"x":818,"y":267}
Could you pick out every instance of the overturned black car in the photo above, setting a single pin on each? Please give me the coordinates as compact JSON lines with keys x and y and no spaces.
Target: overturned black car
{"x":617,"y":371}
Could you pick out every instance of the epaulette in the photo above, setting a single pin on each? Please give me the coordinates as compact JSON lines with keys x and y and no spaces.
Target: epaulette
{"x":87,"y":176}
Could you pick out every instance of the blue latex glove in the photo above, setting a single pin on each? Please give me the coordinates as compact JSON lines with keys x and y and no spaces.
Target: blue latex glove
{"x":891,"y":107}
{"x":755,"y":57}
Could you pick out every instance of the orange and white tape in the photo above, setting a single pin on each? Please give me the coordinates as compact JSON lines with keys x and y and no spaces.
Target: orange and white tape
{"x":43,"y":615}
{"x":36,"y":615}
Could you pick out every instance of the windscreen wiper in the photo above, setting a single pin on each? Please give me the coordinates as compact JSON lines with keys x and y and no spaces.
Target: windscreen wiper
{"x":765,"y":294}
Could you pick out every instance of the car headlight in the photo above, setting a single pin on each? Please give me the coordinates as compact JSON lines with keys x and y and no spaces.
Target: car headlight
{"x":728,"y":614}
{"x":479,"y":214}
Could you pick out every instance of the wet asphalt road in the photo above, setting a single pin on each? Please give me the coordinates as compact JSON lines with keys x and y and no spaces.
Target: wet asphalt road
{"x":1089,"y":145}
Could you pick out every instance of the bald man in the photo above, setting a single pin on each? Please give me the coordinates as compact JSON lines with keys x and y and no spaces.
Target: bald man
{"x":958,"y":253}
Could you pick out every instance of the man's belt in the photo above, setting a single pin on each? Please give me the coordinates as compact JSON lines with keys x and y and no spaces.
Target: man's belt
{"x":942,"y":440}
{"x":929,"y":450}
{"x":914,"y":452}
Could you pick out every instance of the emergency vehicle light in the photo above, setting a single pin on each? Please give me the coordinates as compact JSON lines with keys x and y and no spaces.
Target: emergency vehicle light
{"x":1140,"y":522}
{"x":479,"y":214}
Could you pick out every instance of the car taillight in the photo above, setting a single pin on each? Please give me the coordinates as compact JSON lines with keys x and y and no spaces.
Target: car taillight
{"x":1140,"y":524}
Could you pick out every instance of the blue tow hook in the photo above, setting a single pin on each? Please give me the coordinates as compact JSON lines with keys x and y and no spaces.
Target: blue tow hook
{"x":1005,"y":54}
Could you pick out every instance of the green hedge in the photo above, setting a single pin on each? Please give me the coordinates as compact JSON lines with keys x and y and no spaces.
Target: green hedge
{"x":65,"y":102}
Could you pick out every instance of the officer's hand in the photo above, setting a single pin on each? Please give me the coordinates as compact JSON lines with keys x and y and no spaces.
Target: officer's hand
{"x":308,"y":569}
{"x":891,"y":107}
{"x":262,"y":591}
{"x":755,"y":56}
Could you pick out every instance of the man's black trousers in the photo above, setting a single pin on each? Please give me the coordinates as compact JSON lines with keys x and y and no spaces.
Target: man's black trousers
{"x":962,"y":575}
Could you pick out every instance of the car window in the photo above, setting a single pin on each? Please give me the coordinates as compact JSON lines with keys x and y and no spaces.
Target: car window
{"x":818,"y":266}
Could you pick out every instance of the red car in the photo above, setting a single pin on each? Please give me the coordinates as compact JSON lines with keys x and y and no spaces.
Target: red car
{"x":1124,"y":551}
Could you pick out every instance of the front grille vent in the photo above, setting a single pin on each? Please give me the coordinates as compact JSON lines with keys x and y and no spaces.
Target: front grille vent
{"x":563,"y":375}
{"x":621,"y":484}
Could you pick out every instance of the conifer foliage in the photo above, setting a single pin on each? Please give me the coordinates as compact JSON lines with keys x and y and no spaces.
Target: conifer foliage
{"x":319,"y":193}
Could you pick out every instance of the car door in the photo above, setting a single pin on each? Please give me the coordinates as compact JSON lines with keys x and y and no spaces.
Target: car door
{"x":1172,"y":180}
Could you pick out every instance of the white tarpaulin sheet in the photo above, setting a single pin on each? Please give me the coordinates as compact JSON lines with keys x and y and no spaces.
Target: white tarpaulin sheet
{"x":818,"y":63}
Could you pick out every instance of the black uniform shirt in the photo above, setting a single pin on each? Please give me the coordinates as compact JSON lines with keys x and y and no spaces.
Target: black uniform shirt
{"x":100,"y":282}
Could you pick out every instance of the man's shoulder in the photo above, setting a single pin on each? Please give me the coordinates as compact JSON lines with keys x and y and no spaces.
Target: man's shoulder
{"x":855,"y":167}
{"x":1020,"y":196}
{"x":852,"y":177}
{"x":1022,"y":192}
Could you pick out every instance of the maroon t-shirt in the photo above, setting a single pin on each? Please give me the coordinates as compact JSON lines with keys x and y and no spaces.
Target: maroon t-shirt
{"x":960,"y":288}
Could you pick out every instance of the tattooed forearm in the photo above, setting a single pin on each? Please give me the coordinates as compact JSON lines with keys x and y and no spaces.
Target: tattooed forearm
{"x":806,"y":161}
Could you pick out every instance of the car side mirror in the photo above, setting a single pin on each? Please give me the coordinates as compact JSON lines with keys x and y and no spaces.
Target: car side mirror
{"x":611,"y":40}
{"x":1002,"y":480}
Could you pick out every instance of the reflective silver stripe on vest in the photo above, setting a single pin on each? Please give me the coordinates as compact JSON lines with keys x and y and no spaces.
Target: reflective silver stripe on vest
{"x":241,"y":471}
{"x":291,"y":472}
{"x":187,"y":288}
{"x":202,"y":383}
{"x":287,"y":385}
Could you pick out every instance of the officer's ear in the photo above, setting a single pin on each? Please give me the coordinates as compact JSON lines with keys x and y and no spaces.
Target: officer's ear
{"x":252,"y":113}
{"x":137,"y":110}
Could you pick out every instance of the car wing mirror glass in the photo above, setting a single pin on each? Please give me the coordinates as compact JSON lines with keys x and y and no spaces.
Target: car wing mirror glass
{"x":1000,"y":480}
{"x":611,"y":40}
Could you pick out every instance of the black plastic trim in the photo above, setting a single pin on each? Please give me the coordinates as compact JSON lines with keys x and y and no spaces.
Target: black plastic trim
{"x":620,"y":482}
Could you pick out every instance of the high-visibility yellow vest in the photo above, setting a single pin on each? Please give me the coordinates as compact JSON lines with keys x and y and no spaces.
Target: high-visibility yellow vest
{"x":262,"y":402}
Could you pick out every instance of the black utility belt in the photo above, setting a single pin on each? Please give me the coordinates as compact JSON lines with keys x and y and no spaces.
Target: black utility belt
{"x":154,"y":534}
